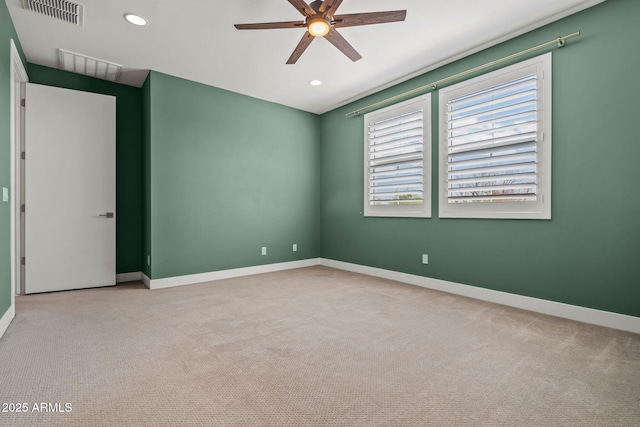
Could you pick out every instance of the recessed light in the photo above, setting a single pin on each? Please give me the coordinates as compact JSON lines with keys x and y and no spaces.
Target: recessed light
{"x":315,"y":82}
{"x":135,"y":19}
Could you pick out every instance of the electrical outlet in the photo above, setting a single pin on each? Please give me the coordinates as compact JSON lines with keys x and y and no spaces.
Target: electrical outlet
{"x":148,"y":259}
{"x":264,"y":250}
{"x":295,"y":247}
{"x":425,"y":259}
{"x":5,"y":194}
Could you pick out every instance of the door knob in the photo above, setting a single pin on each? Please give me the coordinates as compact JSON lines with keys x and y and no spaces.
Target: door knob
{"x":107,"y":215}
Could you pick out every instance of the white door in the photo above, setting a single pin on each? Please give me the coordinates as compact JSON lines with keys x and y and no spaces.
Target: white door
{"x":69,"y":189}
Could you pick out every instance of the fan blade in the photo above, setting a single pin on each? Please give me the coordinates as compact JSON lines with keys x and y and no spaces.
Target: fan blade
{"x":270,"y":25}
{"x":355,"y":19}
{"x":336,"y":39}
{"x":330,"y":7}
{"x":302,"y":46}
{"x":302,"y":7}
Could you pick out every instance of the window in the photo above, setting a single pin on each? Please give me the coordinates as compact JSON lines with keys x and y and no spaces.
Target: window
{"x":397,"y":143}
{"x":495,"y":144}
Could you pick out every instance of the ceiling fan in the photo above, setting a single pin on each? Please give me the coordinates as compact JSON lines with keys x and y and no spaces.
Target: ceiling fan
{"x":321,"y":21}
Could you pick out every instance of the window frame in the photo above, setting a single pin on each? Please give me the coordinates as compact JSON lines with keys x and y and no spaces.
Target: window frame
{"x":422,"y":210}
{"x":539,"y":209}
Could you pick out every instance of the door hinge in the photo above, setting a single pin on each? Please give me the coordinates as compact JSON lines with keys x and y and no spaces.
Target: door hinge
{"x":23,"y":261}
{"x":23,"y":102}
{"x":23,"y":155}
{"x":22,"y":208}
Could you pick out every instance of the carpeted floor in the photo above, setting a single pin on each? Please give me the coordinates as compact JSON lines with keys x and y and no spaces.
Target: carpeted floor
{"x":312,"y":346}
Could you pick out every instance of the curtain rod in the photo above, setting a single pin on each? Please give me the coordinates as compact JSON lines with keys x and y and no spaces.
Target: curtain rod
{"x":432,"y":86}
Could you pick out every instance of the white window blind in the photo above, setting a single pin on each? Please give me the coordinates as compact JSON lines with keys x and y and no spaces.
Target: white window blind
{"x":493,"y":141}
{"x":493,"y":134}
{"x":395,"y":151}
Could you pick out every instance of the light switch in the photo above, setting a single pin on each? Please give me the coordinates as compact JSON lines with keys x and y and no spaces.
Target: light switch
{"x":5,"y":194}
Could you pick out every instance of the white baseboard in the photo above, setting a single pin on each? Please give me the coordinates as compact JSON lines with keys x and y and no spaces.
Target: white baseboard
{"x":145,"y":279}
{"x":6,"y":319}
{"x":190,"y":279}
{"x":567,"y":311}
{"x":129,"y":277}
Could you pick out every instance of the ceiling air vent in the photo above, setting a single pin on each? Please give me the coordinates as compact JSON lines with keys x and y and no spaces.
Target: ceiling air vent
{"x":63,"y":10}
{"x":93,"y":67}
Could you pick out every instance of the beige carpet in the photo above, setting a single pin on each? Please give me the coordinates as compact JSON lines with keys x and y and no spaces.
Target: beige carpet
{"x":312,"y":346}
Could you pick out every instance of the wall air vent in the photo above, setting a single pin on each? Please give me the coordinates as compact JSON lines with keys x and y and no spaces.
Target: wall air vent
{"x":63,"y":10}
{"x":93,"y":67}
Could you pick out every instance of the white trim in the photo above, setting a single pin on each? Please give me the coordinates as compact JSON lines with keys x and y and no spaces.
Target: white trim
{"x":567,"y":311}
{"x":129,"y":277}
{"x":190,"y":279}
{"x":145,"y":279}
{"x":5,"y":321}
{"x":17,"y":74}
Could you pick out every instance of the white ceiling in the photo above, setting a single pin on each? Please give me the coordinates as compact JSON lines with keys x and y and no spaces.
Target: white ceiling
{"x":196,"y":40}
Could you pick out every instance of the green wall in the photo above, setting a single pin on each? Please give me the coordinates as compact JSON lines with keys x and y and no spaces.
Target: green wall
{"x":586,"y":254}
{"x":7,"y":32}
{"x":129,"y":130}
{"x":227,"y":175}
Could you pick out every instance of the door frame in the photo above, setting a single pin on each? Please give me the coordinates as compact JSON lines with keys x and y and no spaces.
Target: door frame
{"x":18,"y":78}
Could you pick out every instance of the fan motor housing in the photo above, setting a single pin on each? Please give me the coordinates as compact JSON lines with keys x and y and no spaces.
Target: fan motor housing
{"x":316,"y":5}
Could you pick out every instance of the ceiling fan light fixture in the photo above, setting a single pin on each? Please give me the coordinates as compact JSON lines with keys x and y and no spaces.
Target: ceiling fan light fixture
{"x":320,"y":20}
{"x":318,"y":27}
